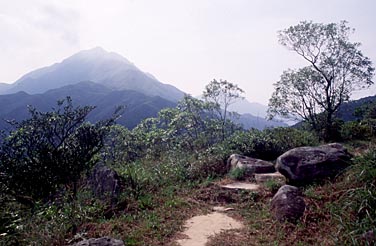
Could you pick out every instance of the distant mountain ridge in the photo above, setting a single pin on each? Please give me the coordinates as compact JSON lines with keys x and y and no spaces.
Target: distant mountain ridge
{"x":97,"y":65}
{"x":138,"y":105}
{"x":249,"y":121}
{"x":347,"y":110}
{"x":246,"y":107}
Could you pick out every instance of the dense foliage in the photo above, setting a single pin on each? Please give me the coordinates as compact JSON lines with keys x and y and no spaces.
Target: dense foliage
{"x":270,"y":143}
{"x":49,"y":149}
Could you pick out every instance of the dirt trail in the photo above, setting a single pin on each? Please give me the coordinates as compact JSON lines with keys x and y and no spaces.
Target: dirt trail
{"x":200,"y":228}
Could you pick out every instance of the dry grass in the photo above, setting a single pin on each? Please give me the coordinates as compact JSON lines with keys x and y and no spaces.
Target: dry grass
{"x":160,"y":224}
{"x":157,"y":218}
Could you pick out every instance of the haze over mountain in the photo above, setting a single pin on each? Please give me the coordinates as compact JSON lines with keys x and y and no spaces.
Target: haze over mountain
{"x":4,"y":87}
{"x":96,"y":65}
{"x":246,"y":107}
{"x":106,"y":80}
{"x":249,"y":121}
{"x":138,"y":105}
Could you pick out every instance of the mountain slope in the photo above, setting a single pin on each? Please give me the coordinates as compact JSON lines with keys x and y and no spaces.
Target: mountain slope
{"x":347,"y":110}
{"x":249,"y":121}
{"x":138,"y":105}
{"x":97,"y":65}
{"x":4,"y":87}
{"x":246,"y":107}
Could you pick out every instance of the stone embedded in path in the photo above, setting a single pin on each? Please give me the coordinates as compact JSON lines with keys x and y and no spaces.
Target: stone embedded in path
{"x":305,"y":164}
{"x":250,"y":164}
{"x":265,"y":177}
{"x":288,"y":204}
{"x":200,"y":228}
{"x":242,"y":186}
{"x":103,"y":241}
{"x":222,"y":209}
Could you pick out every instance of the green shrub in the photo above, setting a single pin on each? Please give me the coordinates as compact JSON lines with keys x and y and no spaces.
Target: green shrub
{"x":354,"y":130}
{"x":137,"y":178}
{"x":355,"y":210}
{"x":270,"y":143}
{"x":238,"y":173}
{"x":48,"y":223}
{"x":273,"y":185}
{"x":49,"y":149}
{"x":120,"y":146}
{"x":211,"y":162}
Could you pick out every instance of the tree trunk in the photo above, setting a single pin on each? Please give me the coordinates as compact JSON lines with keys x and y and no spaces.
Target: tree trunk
{"x":328,"y":134}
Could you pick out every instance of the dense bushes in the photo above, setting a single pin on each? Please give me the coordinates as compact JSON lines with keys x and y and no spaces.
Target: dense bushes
{"x":49,"y":149}
{"x":358,"y":130}
{"x":270,"y":143}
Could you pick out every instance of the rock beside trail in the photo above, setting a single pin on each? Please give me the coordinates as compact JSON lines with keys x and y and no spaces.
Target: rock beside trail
{"x":306,"y":164}
{"x":103,"y":241}
{"x":265,"y":177}
{"x":105,"y":182}
{"x":288,"y":204}
{"x":250,"y":164}
{"x":242,"y":186}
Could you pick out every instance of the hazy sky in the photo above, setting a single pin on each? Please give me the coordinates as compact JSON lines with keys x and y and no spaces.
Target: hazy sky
{"x":185,"y":43}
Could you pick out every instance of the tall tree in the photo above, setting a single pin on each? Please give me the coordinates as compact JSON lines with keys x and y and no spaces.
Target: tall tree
{"x":222,"y":94}
{"x":336,"y":68}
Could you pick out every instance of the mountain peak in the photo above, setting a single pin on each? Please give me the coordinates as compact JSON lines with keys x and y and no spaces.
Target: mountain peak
{"x":97,"y":49}
{"x":98,"y":53}
{"x":98,"y":65}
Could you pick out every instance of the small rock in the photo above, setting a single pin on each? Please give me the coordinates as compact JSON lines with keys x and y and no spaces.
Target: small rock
{"x":249,"y":163}
{"x":307,"y":164}
{"x":222,"y":209}
{"x":265,"y":177}
{"x":288,"y":204}
{"x":105,"y":182}
{"x":242,"y":186}
{"x":103,"y":241}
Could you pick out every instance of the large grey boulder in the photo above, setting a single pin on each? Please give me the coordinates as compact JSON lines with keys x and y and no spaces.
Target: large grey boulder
{"x":306,"y":164}
{"x":103,"y":241}
{"x":288,"y":204}
{"x":105,"y":183}
{"x":250,"y":164}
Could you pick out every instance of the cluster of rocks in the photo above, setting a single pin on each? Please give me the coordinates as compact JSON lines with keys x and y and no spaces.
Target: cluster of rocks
{"x":297,"y":166}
